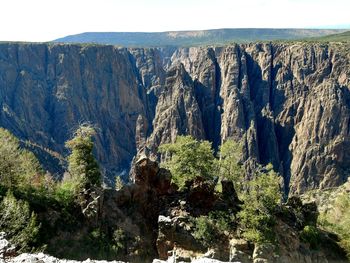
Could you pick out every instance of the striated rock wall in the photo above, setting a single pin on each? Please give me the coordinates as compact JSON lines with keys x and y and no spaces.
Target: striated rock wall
{"x":288,"y":103}
{"x":47,"y":91}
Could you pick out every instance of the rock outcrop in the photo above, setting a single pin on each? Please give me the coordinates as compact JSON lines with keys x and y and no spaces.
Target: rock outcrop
{"x":8,"y":254}
{"x":6,"y":249}
{"x":155,"y":211}
{"x":151,"y":218}
{"x":43,"y":258}
{"x":287,"y":103}
{"x":135,"y":207}
{"x":158,"y":205}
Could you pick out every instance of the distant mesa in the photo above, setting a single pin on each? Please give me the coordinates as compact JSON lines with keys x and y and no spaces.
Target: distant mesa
{"x":196,"y":37}
{"x":340,"y":37}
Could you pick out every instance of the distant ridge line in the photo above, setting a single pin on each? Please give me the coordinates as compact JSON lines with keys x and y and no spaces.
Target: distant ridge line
{"x":196,"y":37}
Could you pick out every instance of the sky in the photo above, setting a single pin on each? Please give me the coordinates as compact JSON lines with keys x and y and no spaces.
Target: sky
{"x":45,"y":20}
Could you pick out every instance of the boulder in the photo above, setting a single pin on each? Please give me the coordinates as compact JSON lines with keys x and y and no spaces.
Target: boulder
{"x":299,"y":215}
{"x":147,"y":174}
{"x":6,"y":249}
{"x":264,"y":253}
{"x":175,"y":232}
{"x":200,"y":194}
{"x":229,"y":193}
{"x":240,"y":251}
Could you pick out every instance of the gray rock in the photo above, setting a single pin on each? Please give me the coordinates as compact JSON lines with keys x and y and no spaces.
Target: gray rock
{"x":288,"y":103}
{"x":240,"y":251}
{"x":6,"y":248}
{"x":199,"y":260}
{"x":42,"y":258}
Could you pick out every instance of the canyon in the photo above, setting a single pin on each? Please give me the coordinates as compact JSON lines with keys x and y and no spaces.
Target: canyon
{"x":288,"y":103}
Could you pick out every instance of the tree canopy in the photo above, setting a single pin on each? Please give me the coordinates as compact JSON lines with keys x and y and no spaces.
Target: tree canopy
{"x":18,"y":167}
{"x":260,"y":200}
{"x":228,"y":163}
{"x":188,"y":158}
{"x":83,"y":166}
{"x":18,"y":221}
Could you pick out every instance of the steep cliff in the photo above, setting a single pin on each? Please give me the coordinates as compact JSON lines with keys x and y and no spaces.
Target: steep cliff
{"x":46,"y":91}
{"x":288,"y":103}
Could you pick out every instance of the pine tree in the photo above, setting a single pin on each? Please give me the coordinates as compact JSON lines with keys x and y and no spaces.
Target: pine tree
{"x":263,"y":196}
{"x":83,"y":166}
{"x":229,"y":166}
{"x":18,"y":167}
{"x":19,"y":223}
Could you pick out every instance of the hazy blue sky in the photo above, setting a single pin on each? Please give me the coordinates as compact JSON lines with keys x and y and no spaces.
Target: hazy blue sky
{"x":44,"y":20}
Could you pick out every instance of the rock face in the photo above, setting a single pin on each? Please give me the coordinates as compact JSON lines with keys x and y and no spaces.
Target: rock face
{"x":8,"y":254}
{"x":46,"y":91}
{"x":156,"y":220}
{"x":177,"y":111}
{"x":288,"y":103}
{"x":135,"y":208}
{"x":163,"y":217}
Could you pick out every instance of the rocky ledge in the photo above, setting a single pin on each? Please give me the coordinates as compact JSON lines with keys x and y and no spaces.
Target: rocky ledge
{"x":165,"y":217}
{"x":157,"y":220}
{"x":8,"y":255}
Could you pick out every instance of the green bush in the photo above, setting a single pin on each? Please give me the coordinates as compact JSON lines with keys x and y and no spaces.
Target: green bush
{"x":337,"y":220}
{"x":65,"y":192}
{"x":225,"y":221}
{"x":118,"y":242}
{"x":18,"y":222}
{"x":188,"y":158}
{"x":229,"y":166}
{"x":209,"y":229}
{"x":205,"y":231}
{"x":311,"y":235}
{"x":259,"y":203}
{"x":18,"y":167}
{"x":94,"y":242}
{"x":257,"y":227}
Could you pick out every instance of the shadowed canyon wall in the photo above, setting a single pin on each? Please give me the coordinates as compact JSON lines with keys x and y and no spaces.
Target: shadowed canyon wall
{"x":288,"y":103}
